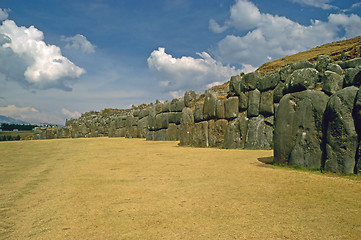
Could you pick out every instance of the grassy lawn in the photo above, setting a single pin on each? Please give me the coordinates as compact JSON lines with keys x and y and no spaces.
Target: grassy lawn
{"x":116,"y":188}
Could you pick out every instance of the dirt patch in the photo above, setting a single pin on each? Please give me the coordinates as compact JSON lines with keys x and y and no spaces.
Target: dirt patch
{"x":116,"y":188}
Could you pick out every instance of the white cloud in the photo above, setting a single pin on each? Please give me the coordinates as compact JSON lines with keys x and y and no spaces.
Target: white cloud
{"x":70,"y":114}
{"x":324,"y":4}
{"x":272,"y":36}
{"x":4,"y":14}
{"x":179,"y":74}
{"x":26,"y":58}
{"x":79,"y":42}
{"x":356,"y":5}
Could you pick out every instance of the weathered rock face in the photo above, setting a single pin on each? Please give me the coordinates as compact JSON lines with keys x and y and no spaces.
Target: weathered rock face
{"x":209,"y":107}
{"x":259,"y":134}
{"x":236,"y":131}
{"x":190,"y":98}
{"x":186,"y":127}
{"x":253,"y":103}
{"x":331,"y":82}
{"x":200,"y":134}
{"x":340,"y":137}
{"x":231,"y":107}
{"x":249,"y":81}
{"x":216,"y":132}
{"x":298,"y":129}
{"x":198,"y":112}
{"x":269,"y":81}
{"x":357,"y":117}
{"x":301,"y":79}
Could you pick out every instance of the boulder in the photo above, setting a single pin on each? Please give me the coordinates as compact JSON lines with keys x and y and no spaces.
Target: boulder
{"x":150,"y":136}
{"x":186,"y":127}
{"x":268,"y":81}
{"x":301,"y":79}
{"x":161,"y":121}
{"x":143,"y":113}
{"x":231,"y":107}
{"x":249,"y":81}
{"x":166,"y":106}
{"x":333,"y":67}
{"x":236,"y":131}
{"x":253,"y":103}
{"x":200,"y":135}
{"x":172,"y":133}
{"x":278,"y":92}
{"x":198,"y":112}
{"x":190,"y":98}
{"x":209,"y":107}
{"x":172,"y":117}
{"x":331,"y":82}
{"x":259,"y":135}
{"x":266,"y":103}
{"x":322,"y":62}
{"x":160,"y":135}
{"x":220,"y":111}
{"x":352,"y":77}
{"x":298,"y":129}
{"x":353,"y":63}
{"x":285,"y":72}
{"x":142,"y":127}
{"x":243,"y":101}
{"x":158,"y":107}
{"x":340,"y":136}
{"x":216,"y":132}
{"x":302,"y":64}
{"x":177,"y":105}
{"x":235,"y":85}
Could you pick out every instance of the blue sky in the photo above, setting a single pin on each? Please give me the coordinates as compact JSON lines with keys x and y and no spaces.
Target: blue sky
{"x":62,"y":58}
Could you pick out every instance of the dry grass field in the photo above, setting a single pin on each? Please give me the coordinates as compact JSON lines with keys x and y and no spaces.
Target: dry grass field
{"x":116,"y":188}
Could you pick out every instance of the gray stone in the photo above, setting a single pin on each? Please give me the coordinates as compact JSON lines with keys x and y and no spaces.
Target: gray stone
{"x":142,"y":127}
{"x":186,"y":127}
{"x":172,"y":133}
{"x":357,"y":117}
{"x":143,"y":113}
{"x":301,"y":79}
{"x":353,"y":63}
{"x":220,"y":111}
{"x":266,"y":103}
{"x":198,"y":112}
{"x":177,"y":105}
{"x":322,"y":62}
{"x":131,"y":132}
{"x":352,"y":77}
{"x":259,"y":135}
{"x":285,"y":72}
{"x":190,"y":98}
{"x":269,"y":81}
{"x":249,"y":81}
{"x":253,"y":103}
{"x":166,"y":106}
{"x":209,"y":107}
{"x":231,"y":107}
{"x":150,"y":136}
{"x":331,"y":82}
{"x":200,"y":135}
{"x":158,"y":107}
{"x":178,"y":117}
{"x":235,"y":85}
{"x":278,"y":92}
{"x":243,"y":101}
{"x":340,"y":137}
{"x":161,"y":121}
{"x":298,"y":129}
{"x":172,"y":117}
{"x":236,"y":131}
{"x":302,"y":64}
{"x":333,"y":67}
{"x":160,"y":135}
{"x":216,"y":132}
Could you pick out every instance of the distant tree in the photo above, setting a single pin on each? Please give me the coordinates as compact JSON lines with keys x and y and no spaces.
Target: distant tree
{"x":10,"y":138}
{"x":17,"y":138}
{"x":3,"y":138}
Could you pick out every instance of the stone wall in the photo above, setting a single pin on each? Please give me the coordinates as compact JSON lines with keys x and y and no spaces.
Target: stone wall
{"x":310,"y":114}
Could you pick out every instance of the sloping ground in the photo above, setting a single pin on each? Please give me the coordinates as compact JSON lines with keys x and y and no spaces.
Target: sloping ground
{"x":351,"y":47}
{"x":104,"y":188}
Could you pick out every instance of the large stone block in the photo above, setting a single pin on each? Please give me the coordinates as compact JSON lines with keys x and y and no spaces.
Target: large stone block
{"x":200,"y":134}
{"x":333,"y":67}
{"x":253,"y":103}
{"x":340,"y":136}
{"x":298,"y":129}
{"x":160,"y":135}
{"x":209,"y":108}
{"x":220,"y":111}
{"x":186,"y":127}
{"x":266,"y":104}
{"x":243,"y":101}
{"x":259,"y":134}
{"x":249,"y":81}
{"x":190,"y":98}
{"x":143,"y":127}
{"x":353,"y":63}
{"x":198,"y":112}
{"x":216,"y":132}
{"x":236,"y":131}
{"x":322,"y":62}
{"x":331,"y":82}
{"x":269,"y":81}
{"x":161,"y":121}
{"x":352,"y":77}
{"x":235,"y":85}
{"x":302,"y":64}
{"x":172,"y":133}
{"x":231,"y":107}
{"x":301,"y":79}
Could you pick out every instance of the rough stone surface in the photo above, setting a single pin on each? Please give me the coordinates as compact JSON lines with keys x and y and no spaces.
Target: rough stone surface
{"x":186,"y":127}
{"x":331,"y":82}
{"x":190,"y":98}
{"x":143,"y":127}
{"x":333,"y":67}
{"x":301,"y":79}
{"x":198,"y":112}
{"x":302,"y":64}
{"x":340,"y":137}
{"x":243,"y":101}
{"x":160,"y":135}
{"x":216,"y":132}
{"x":253,"y":103}
{"x":220,"y":112}
{"x":268,"y":81}
{"x":352,"y":77}
{"x":161,"y":121}
{"x":200,"y":135}
{"x":235,"y":85}
{"x":285,"y":72}
{"x":231,"y":107}
{"x":236,"y":131}
{"x":249,"y":81}
{"x":266,"y":103}
{"x":353,"y":63}
{"x":259,"y":135}
{"x":172,"y":133}
{"x":278,"y":92}
{"x":209,"y":108}
{"x":298,"y":129}
{"x":322,"y":62}
{"x":357,"y":117}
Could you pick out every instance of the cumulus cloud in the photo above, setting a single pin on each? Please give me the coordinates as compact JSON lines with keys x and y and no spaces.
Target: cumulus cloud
{"x":79,"y":42}
{"x":273,"y":36}
{"x":177,"y":75}
{"x":324,"y":4}
{"x":70,"y":114}
{"x":20,"y":113}
{"x":4,"y":14}
{"x":26,"y":58}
